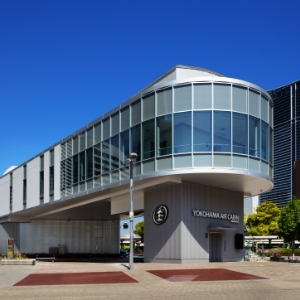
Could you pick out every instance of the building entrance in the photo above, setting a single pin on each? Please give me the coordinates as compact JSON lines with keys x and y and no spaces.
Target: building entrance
{"x":215,"y":247}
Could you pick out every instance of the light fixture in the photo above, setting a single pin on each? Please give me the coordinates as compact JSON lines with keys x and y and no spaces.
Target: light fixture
{"x":132,"y":157}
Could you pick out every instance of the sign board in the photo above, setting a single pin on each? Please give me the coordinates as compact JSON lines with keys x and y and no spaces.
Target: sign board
{"x":10,"y":248}
{"x":214,"y":215}
{"x":160,"y":214}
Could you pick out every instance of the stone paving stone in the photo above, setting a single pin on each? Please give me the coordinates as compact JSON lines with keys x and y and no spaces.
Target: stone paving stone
{"x":283,"y":283}
{"x":9,"y":274}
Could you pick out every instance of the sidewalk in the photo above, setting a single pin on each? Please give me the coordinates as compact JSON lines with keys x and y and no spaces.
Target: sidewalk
{"x":282,"y":281}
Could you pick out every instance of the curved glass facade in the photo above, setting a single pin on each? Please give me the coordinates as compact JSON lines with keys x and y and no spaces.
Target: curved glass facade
{"x":176,"y":125}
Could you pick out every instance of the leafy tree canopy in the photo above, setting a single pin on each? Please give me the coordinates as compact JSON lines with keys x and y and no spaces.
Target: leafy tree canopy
{"x":289,"y":222}
{"x":139,"y":230}
{"x":245,"y":225}
{"x":265,"y":221}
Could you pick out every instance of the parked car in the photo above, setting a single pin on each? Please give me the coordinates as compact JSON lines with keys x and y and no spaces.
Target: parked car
{"x":123,"y":253}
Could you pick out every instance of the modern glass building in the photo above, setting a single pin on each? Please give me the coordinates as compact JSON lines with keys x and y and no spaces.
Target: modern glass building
{"x":286,"y":144}
{"x":203,"y":143}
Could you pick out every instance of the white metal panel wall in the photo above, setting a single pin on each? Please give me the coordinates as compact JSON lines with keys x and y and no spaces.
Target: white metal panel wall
{"x":4,"y":195}
{"x":33,"y":183}
{"x":120,"y":204}
{"x":18,"y":189}
{"x":46,"y":176}
{"x":78,"y":236}
{"x":57,"y":150}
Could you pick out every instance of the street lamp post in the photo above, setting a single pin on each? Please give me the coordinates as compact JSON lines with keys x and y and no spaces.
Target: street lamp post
{"x":132,"y":157}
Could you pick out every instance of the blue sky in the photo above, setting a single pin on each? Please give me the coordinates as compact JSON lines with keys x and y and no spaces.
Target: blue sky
{"x":65,"y":63}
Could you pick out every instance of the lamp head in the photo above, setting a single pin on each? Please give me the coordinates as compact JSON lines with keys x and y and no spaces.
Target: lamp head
{"x":132,"y":156}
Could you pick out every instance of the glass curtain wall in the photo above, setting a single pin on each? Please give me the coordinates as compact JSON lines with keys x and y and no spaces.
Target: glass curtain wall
{"x":148,"y":139}
{"x":254,"y":136}
{"x":136,"y":141}
{"x":164,"y":123}
{"x":202,"y":131}
{"x":124,"y":147}
{"x":182,"y":132}
{"x":239,"y":133}
{"x":115,"y":152}
{"x":222,"y":131}
{"x":164,"y":135}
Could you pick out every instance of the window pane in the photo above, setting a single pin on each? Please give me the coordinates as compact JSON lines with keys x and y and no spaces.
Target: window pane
{"x":105,"y":157}
{"x":239,"y":99}
{"x":240,"y":133}
{"x":82,"y":166}
{"x":148,"y":139}
{"x":182,"y":98}
{"x":42,"y":183}
{"x":264,"y":141}
{"x":222,"y":131}
{"x":89,"y":163}
{"x":115,"y":152}
{"x":106,"y":129}
{"x":271,"y":147}
{"x":264,"y":109}
{"x":97,"y":133}
{"x":115,"y":124}
{"x":75,"y":145}
{"x":89,"y":137}
{"x":51,"y":187}
{"x":125,"y":118}
{"x":136,"y":141}
{"x":52,"y":157}
{"x":135,"y":113}
{"x":164,"y":101}
{"x":221,"y":96}
{"x":271,"y":115}
{"x":82,"y":141}
{"x":97,"y":160}
{"x":182,"y":132}
{"x":202,"y":131}
{"x":253,"y":103}
{"x":202,"y":96}
{"x":148,"y":107}
{"x":75,"y":168}
{"x":164,"y":135}
{"x":254,"y":136}
{"x":42,"y":163}
{"x":124,"y":147}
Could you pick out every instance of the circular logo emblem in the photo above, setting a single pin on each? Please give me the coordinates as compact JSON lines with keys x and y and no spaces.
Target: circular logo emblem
{"x":160,"y":214}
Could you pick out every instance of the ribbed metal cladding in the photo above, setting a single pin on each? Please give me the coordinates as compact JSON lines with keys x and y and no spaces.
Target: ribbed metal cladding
{"x":183,"y":237}
{"x":8,"y":231}
{"x":286,"y":143}
{"x":167,"y":243}
{"x":78,"y":236}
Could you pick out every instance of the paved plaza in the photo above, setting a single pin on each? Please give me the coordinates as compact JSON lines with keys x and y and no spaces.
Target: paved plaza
{"x":280,"y":281}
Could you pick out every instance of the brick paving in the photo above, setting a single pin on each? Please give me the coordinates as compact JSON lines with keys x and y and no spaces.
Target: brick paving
{"x":75,"y":278}
{"x":283,"y":282}
{"x":202,"y":275}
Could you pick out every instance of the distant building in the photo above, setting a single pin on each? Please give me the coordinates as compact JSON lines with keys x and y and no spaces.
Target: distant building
{"x":250,"y":205}
{"x":286,"y":101}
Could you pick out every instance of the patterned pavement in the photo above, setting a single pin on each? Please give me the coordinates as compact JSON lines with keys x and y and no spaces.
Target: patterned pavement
{"x":282,"y":282}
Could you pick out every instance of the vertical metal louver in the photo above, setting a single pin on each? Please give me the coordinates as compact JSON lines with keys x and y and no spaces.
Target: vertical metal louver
{"x":66,"y":169}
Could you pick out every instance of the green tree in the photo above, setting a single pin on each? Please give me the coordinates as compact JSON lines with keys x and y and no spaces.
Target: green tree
{"x":139,"y":230}
{"x":289,"y":222}
{"x":245,"y":225}
{"x":265,"y":221}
